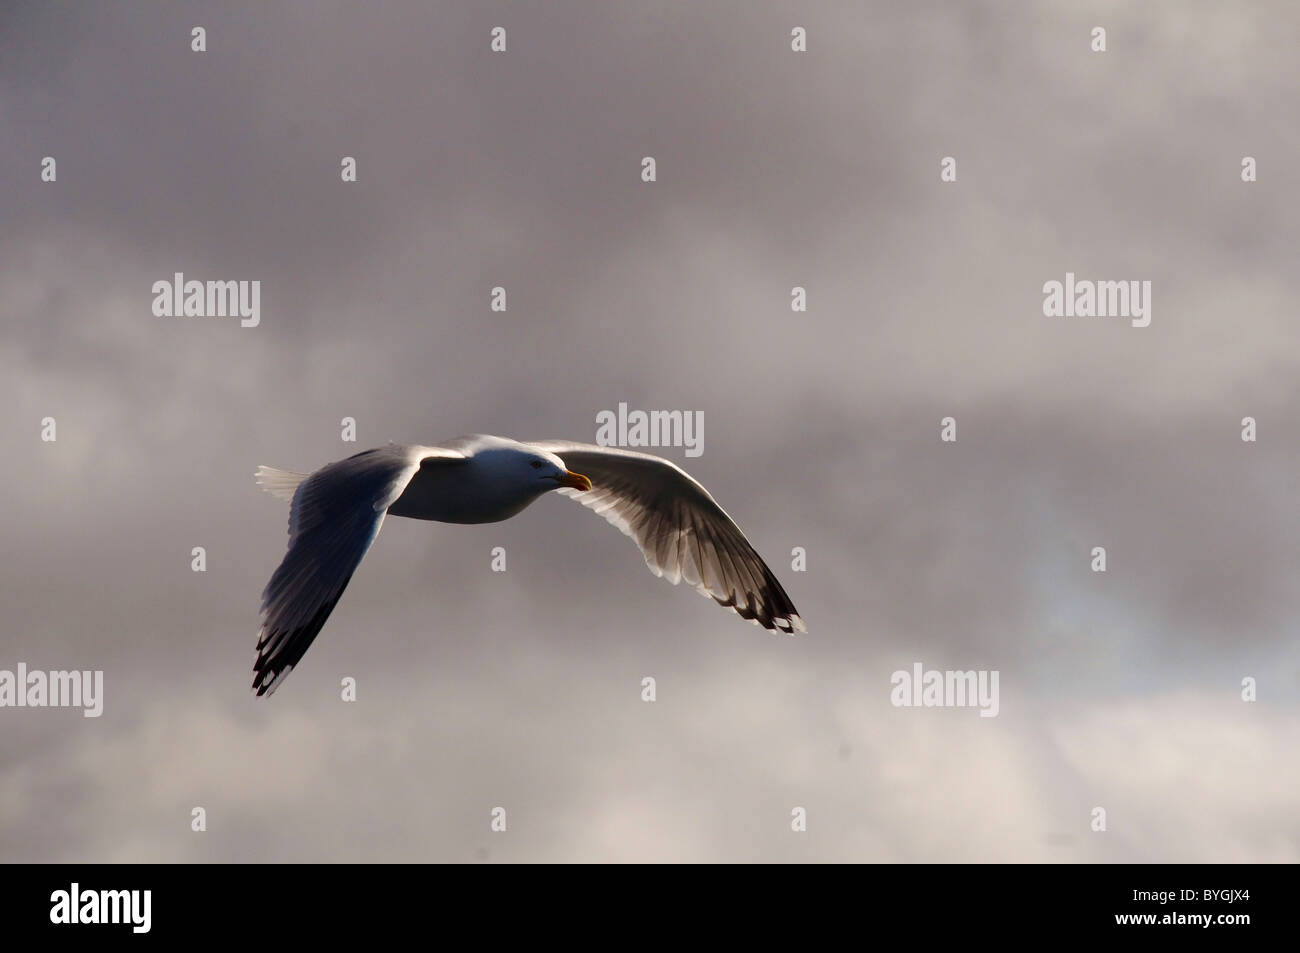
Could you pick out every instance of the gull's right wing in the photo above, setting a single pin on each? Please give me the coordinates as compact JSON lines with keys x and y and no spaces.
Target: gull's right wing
{"x":681,"y":530}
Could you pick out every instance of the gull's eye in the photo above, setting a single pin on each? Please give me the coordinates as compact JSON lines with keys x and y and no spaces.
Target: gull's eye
{"x":535,"y":464}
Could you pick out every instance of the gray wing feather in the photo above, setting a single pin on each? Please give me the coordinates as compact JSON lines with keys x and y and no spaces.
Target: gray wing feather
{"x":335,"y":515}
{"x":681,"y":530}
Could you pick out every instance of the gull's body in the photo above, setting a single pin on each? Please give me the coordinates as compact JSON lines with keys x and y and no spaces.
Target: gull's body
{"x":337,"y":511}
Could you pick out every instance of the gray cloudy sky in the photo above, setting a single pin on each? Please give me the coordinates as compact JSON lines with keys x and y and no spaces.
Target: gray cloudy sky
{"x":775,"y":169}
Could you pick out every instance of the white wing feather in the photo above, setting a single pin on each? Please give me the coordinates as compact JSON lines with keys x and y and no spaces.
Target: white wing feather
{"x":681,"y":530}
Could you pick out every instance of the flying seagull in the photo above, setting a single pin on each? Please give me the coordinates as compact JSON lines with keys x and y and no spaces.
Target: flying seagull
{"x":337,"y":511}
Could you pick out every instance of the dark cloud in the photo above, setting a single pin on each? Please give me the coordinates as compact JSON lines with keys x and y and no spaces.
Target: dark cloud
{"x":821,"y":429}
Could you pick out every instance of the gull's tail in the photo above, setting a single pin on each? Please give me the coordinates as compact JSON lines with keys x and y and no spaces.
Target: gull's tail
{"x":281,"y":483}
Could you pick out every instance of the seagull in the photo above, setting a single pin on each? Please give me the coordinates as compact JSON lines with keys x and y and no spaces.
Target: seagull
{"x":337,"y":511}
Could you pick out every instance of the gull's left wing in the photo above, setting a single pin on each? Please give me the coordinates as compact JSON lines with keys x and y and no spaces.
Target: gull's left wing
{"x":682,"y":531}
{"x":335,"y":515}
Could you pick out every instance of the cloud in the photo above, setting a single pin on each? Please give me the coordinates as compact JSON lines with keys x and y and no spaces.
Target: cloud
{"x":775,"y":169}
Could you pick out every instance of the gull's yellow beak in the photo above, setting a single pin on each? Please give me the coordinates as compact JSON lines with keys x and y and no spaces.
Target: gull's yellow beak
{"x":575,"y":481}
